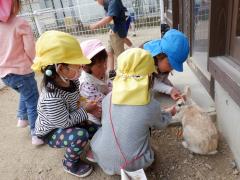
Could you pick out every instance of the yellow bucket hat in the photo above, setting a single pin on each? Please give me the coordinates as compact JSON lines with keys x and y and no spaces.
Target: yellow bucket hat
{"x":131,"y":84}
{"x":54,"y":47}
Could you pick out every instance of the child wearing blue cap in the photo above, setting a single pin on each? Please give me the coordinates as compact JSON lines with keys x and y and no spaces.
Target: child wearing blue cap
{"x":169,"y":53}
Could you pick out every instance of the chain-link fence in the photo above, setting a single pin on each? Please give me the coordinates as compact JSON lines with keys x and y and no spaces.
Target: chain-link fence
{"x":75,"y":19}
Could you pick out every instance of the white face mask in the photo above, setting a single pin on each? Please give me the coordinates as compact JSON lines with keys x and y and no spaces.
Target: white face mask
{"x":75,"y":77}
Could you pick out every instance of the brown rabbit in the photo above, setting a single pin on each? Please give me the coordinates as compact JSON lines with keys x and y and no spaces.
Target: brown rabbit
{"x":199,"y":132}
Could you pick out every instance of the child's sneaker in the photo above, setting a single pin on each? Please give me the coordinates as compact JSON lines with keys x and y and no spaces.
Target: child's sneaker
{"x":90,"y":156}
{"x":78,"y":169}
{"x":37,"y":141}
{"x":22,"y":123}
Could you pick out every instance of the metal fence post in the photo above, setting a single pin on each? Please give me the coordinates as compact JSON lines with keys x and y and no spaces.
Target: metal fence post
{"x":35,"y":16}
{"x":162,"y":12}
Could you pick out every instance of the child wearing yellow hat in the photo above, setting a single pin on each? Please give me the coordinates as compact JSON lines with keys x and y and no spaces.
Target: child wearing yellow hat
{"x":128,"y":113}
{"x":61,"y":122}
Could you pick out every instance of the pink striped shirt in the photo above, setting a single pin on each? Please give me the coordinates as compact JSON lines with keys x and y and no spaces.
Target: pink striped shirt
{"x":17,"y":47}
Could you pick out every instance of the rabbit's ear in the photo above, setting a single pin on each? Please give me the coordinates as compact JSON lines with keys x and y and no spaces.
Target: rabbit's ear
{"x":187,"y":92}
{"x":184,"y":96}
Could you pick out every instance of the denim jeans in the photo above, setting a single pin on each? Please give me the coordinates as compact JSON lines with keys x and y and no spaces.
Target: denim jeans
{"x":26,"y":86}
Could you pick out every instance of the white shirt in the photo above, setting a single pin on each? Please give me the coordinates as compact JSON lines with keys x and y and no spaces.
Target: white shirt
{"x":160,"y":86}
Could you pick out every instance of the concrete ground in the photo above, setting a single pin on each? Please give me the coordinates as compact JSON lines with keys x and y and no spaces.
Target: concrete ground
{"x":1,"y":84}
{"x":142,"y":36}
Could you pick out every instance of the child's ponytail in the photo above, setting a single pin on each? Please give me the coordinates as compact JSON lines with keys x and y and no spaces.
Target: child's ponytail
{"x":49,"y":76}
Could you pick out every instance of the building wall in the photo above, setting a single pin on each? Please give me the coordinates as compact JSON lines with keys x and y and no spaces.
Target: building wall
{"x":211,"y":63}
{"x":228,"y":118}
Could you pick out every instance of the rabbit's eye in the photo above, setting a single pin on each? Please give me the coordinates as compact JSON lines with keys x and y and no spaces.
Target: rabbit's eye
{"x":179,"y":105}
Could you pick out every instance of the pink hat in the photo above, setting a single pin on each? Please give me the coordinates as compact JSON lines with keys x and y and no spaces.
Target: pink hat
{"x":91,"y":47}
{"x":5,"y":10}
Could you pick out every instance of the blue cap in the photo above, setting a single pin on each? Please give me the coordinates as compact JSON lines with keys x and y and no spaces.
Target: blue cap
{"x":174,"y":44}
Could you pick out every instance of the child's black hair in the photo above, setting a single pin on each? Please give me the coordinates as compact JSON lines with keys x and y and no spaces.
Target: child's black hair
{"x":164,"y":29}
{"x":98,"y":58}
{"x":159,"y":57}
{"x":49,"y":78}
{"x":151,"y":81}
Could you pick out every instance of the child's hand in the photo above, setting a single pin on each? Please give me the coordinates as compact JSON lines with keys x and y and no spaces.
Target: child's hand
{"x":93,"y":26}
{"x":171,"y":110}
{"x":175,"y":94}
{"x":93,"y":108}
{"x":97,"y":113}
{"x":90,"y":106}
{"x":82,"y":102}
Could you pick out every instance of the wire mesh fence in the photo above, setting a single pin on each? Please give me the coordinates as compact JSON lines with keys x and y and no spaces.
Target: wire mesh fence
{"x":75,"y":18}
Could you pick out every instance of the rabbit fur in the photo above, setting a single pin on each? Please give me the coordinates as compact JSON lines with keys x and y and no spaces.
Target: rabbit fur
{"x":199,"y":132}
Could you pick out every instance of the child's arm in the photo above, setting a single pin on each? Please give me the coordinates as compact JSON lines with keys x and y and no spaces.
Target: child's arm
{"x":161,"y":87}
{"x":104,"y":21}
{"x":90,"y":106}
{"x":113,"y":11}
{"x":90,"y":92}
{"x":94,"y":109}
{"x":25,"y":31}
{"x":59,"y":116}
